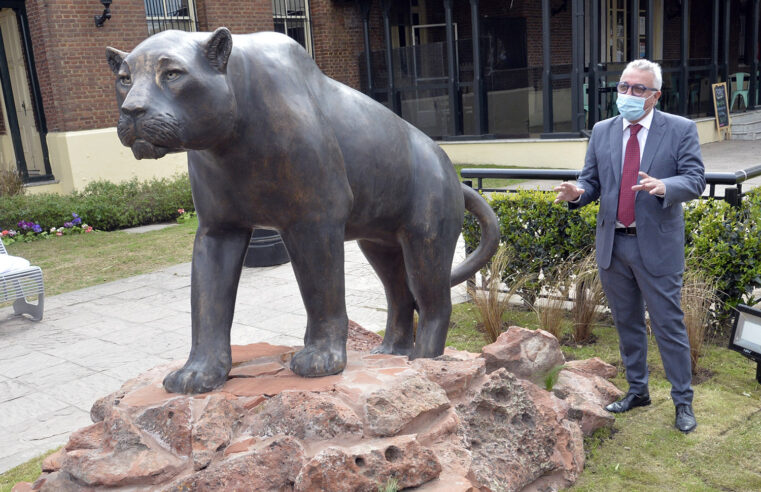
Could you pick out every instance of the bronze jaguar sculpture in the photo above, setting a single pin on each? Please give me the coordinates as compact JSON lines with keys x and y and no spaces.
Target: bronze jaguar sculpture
{"x":272,"y":142}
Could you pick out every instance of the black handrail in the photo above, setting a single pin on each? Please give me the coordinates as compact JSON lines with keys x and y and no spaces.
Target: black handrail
{"x":731,"y":195}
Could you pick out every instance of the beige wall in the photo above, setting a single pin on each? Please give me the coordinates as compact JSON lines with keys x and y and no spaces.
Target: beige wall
{"x":78,"y":158}
{"x":530,"y":153}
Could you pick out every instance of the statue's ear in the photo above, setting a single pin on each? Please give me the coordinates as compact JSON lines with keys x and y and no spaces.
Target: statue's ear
{"x":218,"y":48}
{"x":115,"y":58}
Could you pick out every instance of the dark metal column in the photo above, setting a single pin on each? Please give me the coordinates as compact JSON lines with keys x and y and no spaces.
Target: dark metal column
{"x":36,"y":92}
{"x":725,"y":46}
{"x":715,"y":43}
{"x":546,"y":69}
{"x":480,"y":107}
{"x":753,"y":86}
{"x":10,"y":111}
{"x":634,"y":33}
{"x":594,"y":59}
{"x":364,"y":11}
{"x":453,"y":85}
{"x":683,"y":59}
{"x":577,"y":65}
{"x":649,"y":29}
{"x":393,"y":99}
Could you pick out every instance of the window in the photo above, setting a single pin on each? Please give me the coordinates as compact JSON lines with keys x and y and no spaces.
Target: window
{"x":291,"y":17}
{"x":163,"y":15}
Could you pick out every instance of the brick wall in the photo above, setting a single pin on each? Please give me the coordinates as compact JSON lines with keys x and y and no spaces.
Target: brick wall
{"x":75,"y":79}
{"x":240,"y":16}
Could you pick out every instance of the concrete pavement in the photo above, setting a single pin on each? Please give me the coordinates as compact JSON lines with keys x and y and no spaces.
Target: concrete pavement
{"x":92,"y":340}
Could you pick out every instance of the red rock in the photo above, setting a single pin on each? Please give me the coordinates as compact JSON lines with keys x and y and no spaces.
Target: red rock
{"x":253,"y":351}
{"x":22,"y":487}
{"x":591,"y":388}
{"x":169,"y":423}
{"x":388,"y":410}
{"x":214,"y":429}
{"x":511,"y":440}
{"x":366,"y":466}
{"x":252,"y":402}
{"x":272,"y":466}
{"x":306,"y":416}
{"x":595,"y":366}
{"x":147,"y":395}
{"x":90,"y":437}
{"x":529,"y":354}
{"x":240,"y":446}
{"x":53,"y":461}
{"x":272,"y":385}
{"x":360,"y":339}
{"x":254,"y":370}
{"x":453,"y":375}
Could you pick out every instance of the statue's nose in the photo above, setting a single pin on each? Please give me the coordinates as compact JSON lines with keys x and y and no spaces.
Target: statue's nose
{"x":133,"y":109}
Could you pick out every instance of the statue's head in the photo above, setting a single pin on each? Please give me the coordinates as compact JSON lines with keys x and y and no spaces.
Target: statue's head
{"x":173,"y":92}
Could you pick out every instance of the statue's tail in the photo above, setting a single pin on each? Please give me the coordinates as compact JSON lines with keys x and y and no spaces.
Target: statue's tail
{"x":489,"y":242}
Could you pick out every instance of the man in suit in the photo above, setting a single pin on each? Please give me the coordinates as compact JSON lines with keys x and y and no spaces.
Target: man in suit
{"x":643,"y":165}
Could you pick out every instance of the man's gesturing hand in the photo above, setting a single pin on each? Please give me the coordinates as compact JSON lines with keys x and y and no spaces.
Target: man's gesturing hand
{"x":567,"y":192}
{"x":649,"y":184}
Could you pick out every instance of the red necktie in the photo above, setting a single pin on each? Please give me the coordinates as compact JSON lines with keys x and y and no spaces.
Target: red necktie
{"x":629,"y":178}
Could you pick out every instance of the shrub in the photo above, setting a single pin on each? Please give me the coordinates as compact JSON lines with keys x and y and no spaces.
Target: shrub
{"x":588,"y":296}
{"x":103,"y":205}
{"x":540,"y":235}
{"x":698,"y":299}
{"x":11,"y":183}
{"x":721,"y":240}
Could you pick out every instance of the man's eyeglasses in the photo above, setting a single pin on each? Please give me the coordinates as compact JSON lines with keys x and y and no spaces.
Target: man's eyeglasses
{"x":637,"y":89}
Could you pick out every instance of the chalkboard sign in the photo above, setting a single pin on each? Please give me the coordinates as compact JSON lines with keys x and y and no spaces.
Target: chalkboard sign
{"x":720,"y":106}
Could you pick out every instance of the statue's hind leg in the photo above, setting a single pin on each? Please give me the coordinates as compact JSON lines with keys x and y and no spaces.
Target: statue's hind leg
{"x":428,"y":262}
{"x":388,"y":263}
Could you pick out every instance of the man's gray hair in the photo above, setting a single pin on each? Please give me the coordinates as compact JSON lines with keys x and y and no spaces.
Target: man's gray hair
{"x":647,"y":66}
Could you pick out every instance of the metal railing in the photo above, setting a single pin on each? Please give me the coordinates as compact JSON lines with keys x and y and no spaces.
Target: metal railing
{"x":731,"y":195}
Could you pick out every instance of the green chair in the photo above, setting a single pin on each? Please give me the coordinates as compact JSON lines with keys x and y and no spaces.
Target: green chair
{"x":739,"y":88}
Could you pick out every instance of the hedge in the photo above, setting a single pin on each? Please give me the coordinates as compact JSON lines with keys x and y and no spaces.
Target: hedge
{"x":722,"y":240}
{"x":103,"y":205}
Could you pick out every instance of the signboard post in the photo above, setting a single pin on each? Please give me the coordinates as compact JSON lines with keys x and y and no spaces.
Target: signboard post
{"x":721,"y":108}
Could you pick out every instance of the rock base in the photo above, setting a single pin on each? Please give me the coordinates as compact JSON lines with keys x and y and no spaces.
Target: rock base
{"x":444,"y":424}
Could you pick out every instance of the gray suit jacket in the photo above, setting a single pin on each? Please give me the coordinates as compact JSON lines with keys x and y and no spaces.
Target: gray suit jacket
{"x":672,"y":154}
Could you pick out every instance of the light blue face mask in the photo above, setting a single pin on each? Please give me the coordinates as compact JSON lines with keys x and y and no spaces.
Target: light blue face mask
{"x":631,"y":107}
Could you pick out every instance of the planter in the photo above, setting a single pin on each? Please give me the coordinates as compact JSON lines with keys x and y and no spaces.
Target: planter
{"x":266,"y":249}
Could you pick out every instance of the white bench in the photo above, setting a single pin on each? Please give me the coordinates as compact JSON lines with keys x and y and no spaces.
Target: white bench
{"x":18,"y":281}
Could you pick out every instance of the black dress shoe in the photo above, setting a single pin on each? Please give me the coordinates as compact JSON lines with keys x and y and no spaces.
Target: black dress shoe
{"x":628,"y":402}
{"x":685,"y":419}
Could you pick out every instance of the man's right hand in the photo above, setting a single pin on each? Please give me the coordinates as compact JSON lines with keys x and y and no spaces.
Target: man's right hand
{"x":567,"y":192}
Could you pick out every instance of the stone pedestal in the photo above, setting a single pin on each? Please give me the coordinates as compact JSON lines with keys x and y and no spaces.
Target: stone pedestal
{"x":444,"y":424}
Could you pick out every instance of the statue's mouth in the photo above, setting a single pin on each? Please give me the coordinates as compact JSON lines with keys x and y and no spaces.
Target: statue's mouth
{"x":142,"y":149}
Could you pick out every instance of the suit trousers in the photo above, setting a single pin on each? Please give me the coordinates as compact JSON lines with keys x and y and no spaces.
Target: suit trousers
{"x":628,"y":286}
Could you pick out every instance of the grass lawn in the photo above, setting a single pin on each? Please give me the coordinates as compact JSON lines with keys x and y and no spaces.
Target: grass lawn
{"x":643,"y":452}
{"x":489,"y":183}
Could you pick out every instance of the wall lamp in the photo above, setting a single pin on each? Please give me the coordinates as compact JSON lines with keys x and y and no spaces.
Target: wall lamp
{"x":100,"y":19}
{"x":746,"y":335}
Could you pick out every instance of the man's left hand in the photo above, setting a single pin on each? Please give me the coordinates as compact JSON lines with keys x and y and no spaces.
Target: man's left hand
{"x":649,"y":184}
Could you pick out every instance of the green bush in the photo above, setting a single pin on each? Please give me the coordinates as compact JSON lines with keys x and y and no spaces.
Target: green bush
{"x":539,"y":234}
{"x":103,"y":205}
{"x":725,"y":242}
{"x":721,"y":240}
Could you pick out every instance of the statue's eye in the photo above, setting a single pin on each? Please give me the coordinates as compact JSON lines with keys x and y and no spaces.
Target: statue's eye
{"x":125,"y":80}
{"x":173,"y":75}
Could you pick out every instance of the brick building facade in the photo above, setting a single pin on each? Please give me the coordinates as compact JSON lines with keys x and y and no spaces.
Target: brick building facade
{"x":69,"y":85}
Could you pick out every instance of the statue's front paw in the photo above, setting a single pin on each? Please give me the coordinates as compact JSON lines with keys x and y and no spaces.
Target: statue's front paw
{"x":196,"y":377}
{"x":312,"y":362}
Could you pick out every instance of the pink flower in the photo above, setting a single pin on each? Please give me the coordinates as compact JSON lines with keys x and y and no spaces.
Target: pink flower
{"x":4,"y":233}
{"x":180,"y":210}
{"x":59,"y":233}
{"x":89,"y":229}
